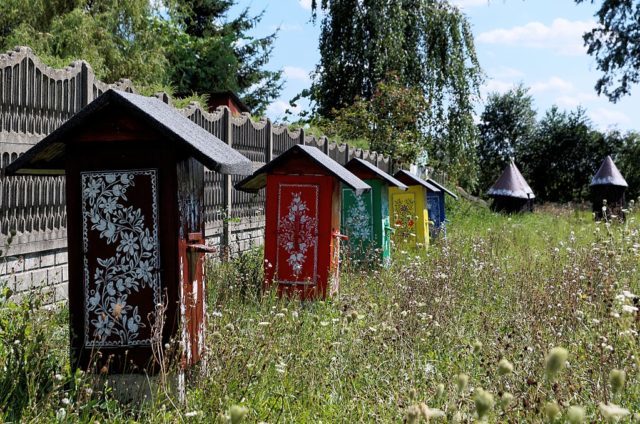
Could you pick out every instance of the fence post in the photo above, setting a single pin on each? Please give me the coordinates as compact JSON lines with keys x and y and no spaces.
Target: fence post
{"x":226,"y":192}
{"x":86,"y":83}
{"x":346,"y":154}
{"x":301,"y":136}
{"x":325,"y":145}
{"x":268,"y":148}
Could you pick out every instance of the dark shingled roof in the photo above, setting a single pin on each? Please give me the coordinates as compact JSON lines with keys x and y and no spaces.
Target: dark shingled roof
{"x":409,"y":179}
{"x":443,"y":188}
{"x":46,"y":156}
{"x":608,"y":174}
{"x":258,"y":180}
{"x":357,"y":163}
{"x":511,"y":184}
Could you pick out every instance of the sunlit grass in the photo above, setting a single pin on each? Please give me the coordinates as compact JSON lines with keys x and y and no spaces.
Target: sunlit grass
{"x":478,"y":327}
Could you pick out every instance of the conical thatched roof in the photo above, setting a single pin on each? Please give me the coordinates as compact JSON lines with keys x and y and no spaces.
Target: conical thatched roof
{"x":608,"y":174}
{"x":511,"y":184}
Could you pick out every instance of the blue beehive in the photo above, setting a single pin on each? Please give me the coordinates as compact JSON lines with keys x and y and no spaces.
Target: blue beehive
{"x":436,"y":207}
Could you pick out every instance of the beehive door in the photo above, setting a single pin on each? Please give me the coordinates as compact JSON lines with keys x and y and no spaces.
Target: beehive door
{"x":403,"y":205}
{"x":297,"y":234}
{"x":357,"y":222}
{"x":121,"y":257}
{"x":433,"y":206}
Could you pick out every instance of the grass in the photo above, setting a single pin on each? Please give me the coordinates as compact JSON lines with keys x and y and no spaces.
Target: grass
{"x":419,"y":339}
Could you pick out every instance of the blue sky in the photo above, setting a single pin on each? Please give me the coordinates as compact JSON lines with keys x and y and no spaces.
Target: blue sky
{"x":536,"y":42}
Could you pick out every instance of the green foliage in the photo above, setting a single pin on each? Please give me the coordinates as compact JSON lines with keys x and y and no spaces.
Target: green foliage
{"x":390,"y":121}
{"x":565,"y":153}
{"x":627,"y":162}
{"x":615,"y":45}
{"x":28,"y":358}
{"x":209,"y":53}
{"x":190,"y":45}
{"x":427,"y":45}
{"x":507,"y":122}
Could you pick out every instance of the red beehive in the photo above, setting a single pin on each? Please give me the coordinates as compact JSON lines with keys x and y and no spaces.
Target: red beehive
{"x":134,"y":171}
{"x":302,"y":238}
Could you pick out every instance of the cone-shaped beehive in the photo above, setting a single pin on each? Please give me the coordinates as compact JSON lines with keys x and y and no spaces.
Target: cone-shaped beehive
{"x":608,"y":184}
{"x":510,"y":192}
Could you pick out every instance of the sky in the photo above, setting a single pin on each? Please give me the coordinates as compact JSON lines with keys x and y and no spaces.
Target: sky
{"x":534,"y":42}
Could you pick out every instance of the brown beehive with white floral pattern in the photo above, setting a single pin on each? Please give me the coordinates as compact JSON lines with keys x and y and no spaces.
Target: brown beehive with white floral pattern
{"x":135,"y":186}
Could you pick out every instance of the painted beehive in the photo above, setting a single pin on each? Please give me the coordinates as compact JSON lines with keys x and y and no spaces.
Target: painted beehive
{"x":302,"y":231}
{"x":134,"y":171}
{"x":436,"y":207}
{"x":608,"y":185}
{"x":365,"y":216}
{"x":511,"y":193}
{"x":408,"y":209}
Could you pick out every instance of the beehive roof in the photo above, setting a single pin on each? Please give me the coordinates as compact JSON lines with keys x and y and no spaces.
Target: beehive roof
{"x":46,"y":157}
{"x":443,"y":188}
{"x":409,"y":179}
{"x":608,"y":174}
{"x":357,"y":163}
{"x":258,"y":180}
{"x":511,"y":184}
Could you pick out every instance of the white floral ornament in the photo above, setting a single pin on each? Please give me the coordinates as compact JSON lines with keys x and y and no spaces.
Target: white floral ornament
{"x":298,"y":233}
{"x":115,"y":322}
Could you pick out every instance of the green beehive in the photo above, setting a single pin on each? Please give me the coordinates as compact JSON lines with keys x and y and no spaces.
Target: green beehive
{"x":365,"y":217}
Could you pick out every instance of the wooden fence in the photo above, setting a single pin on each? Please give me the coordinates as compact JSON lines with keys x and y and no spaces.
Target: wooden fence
{"x":35,"y":99}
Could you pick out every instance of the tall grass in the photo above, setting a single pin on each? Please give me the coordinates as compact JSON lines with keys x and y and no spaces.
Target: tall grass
{"x":463,"y":332}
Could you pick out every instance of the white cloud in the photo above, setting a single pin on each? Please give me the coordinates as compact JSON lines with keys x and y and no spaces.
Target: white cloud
{"x":505,"y":72}
{"x":296,"y":73}
{"x":497,"y":86}
{"x":562,"y":36}
{"x":276,"y":110}
{"x":306,"y":4}
{"x":572,"y":101}
{"x":605,"y":118}
{"x":555,"y":84}
{"x":470,"y":3}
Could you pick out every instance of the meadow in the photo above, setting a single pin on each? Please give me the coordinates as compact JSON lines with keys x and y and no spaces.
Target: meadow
{"x":530,"y":318}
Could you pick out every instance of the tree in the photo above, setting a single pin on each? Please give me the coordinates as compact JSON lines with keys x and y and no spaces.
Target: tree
{"x":563,"y":155}
{"x":507,"y":122}
{"x":427,"y":44}
{"x":615,"y":45}
{"x":627,"y":162}
{"x":390,"y":114}
{"x":190,"y":46}
{"x":210,"y":53}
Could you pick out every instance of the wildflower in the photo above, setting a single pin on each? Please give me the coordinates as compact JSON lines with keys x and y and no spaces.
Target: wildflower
{"x":237,"y":413}
{"x":429,"y":413}
{"x":612,"y":413}
{"x":229,"y":327}
{"x":440,"y":390}
{"x":551,"y":412}
{"x":505,"y":367}
{"x":505,"y":400}
{"x":484,"y":403}
{"x":630,"y":309}
{"x":264,"y":324}
{"x":617,"y":379}
{"x":477,"y":346}
{"x":556,"y":360}
{"x":279,"y":315}
{"x":61,"y":414}
{"x":413,"y":414}
{"x":575,"y":414}
{"x":65,"y":401}
{"x":191,"y":414}
{"x":58,"y":377}
{"x":462,"y":380}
